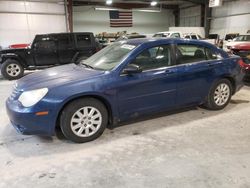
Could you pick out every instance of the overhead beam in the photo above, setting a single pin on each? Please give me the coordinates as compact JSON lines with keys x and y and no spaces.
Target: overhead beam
{"x":198,"y":2}
{"x":122,"y":5}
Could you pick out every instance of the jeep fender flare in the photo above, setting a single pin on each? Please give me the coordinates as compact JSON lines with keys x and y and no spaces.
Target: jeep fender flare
{"x":13,"y":56}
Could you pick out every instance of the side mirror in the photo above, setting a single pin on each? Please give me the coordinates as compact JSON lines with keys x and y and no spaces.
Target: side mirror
{"x":131,"y":69}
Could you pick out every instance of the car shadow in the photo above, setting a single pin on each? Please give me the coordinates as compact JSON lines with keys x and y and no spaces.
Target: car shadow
{"x":142,"y":126}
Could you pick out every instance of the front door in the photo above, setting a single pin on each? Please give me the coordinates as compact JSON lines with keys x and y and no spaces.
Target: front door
{"x":151,"y":90}
{"x":45,"y":52}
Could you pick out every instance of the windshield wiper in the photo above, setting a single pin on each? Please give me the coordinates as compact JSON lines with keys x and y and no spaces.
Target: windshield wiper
{"x":86,"y":65}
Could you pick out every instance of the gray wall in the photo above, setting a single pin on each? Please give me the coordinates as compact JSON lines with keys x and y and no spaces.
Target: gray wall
{"x":97,"y":21}
{"x":20,"y":20}
{"x":232,"y":16}
{"x":190,"y":16}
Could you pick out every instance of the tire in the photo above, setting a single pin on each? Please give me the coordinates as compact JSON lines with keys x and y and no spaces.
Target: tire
{"x":219,"y":95}
{"x":12,"y":69}
{"x":77,"y":123}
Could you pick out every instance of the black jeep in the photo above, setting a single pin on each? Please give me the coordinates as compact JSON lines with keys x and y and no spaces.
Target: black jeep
{"x":46,"y":51}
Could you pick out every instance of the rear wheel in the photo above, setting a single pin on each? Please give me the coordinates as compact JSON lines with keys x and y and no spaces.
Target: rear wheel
{"x":12,"y":69}
{"x":84,"y":120}
{"x":219,"y":95}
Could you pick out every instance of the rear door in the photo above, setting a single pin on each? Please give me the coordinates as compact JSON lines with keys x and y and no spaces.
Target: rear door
{"x":85,"y":44}
{"x":65,"y":48}
{"x":195,"y":73}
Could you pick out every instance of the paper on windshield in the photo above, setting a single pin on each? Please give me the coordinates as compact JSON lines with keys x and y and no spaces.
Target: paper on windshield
{"x":128,"y":46}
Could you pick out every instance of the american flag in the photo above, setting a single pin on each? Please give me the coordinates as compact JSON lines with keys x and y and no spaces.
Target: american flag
{"x":120,"y":18}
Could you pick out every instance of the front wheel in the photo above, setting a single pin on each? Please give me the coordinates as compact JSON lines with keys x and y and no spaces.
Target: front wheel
{"x":84,"y":120}
{"x":219,"y":95}
{"x":12,"y":69}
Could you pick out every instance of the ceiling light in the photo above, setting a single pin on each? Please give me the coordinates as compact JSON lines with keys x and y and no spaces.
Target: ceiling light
{"x":153,"y":3}
{"x":109,"y":2}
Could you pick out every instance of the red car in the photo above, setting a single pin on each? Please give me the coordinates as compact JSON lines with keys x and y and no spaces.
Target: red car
{"x":243,"y":50}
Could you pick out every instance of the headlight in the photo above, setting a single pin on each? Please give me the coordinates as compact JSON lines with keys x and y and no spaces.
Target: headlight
{"x":30,"y":98}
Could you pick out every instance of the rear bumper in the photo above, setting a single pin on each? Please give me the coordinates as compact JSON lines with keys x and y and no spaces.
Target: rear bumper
{"x":247,"y":76}
{"x":26,"y":122}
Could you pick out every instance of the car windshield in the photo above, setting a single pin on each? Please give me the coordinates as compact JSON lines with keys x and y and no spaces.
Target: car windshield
{"x":109,"y":57}
{"x":242,"y":38}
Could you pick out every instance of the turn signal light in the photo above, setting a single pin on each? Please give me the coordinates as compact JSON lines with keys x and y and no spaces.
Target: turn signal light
{"x":42,"y":113}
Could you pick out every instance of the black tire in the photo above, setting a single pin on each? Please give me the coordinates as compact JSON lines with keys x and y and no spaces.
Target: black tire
{"x":211,"y":101}
{"x":12,"y":69}
{"x":69,"y":112}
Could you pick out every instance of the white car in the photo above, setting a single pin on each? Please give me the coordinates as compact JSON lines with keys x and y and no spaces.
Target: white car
{"x":169,"y":34}
{"x":192,"y":36}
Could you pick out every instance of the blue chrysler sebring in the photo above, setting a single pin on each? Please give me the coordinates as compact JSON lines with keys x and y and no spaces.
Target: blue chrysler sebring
{"x":124,"y":80}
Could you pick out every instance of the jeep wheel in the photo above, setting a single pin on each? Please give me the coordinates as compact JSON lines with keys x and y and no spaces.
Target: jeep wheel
{"x":12,"y":69}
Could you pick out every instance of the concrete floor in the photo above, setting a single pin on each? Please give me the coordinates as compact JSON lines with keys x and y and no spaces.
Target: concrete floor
{"x":190,"y":149}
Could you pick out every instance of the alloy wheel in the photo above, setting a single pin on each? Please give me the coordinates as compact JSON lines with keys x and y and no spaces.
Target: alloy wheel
{"x":221,"y":94}
{"x":86,"y":121}
{"x":13,"y":69}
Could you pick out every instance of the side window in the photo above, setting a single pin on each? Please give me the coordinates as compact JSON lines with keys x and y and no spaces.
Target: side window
{"x":64,"y":41}
{"x":153,"y":58}
{"x":45,"y":45}
{"x":211,"y":55}
{"x":193,"y":37}
{"x":175,"y":35}
{"x":187,"y":37}
{"x":83,"y":40}
{"x":188,"y":53}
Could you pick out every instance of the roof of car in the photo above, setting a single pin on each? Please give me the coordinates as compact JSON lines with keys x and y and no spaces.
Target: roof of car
{"x":140,"y":41}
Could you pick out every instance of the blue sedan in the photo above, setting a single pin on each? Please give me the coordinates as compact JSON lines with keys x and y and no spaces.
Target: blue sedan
{"x":124,"y":80}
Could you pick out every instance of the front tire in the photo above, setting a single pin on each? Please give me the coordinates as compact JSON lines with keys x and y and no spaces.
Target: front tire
{"x":12,"y":69}
{"x":84,"y":120}
{"x":219,"y":95}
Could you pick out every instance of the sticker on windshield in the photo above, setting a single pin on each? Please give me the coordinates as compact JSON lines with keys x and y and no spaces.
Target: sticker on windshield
{"x":128,"y":46}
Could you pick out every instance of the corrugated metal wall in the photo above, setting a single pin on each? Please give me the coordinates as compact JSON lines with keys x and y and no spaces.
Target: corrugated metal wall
{"x":190,"y":16}
{"x":21,"y":20}
{"x":231,"y":17}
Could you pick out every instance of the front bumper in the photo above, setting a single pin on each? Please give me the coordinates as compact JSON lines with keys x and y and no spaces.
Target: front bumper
{"x":27,"y":122}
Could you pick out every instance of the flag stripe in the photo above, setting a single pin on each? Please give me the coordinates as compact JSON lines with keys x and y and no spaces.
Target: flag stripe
{"x":121,"y":18}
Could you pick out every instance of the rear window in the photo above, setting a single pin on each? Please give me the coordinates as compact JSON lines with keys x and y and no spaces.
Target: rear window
{"x":190,"y":53}
{"x":83,"y":40}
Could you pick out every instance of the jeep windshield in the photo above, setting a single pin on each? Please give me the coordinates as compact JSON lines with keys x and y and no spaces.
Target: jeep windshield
{"x":109,"y":57}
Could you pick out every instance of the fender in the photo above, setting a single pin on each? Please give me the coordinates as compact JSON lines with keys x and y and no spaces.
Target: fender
{"x":12,"y":56}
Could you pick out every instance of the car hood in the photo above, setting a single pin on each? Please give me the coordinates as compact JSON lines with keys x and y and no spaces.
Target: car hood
{"x":56,"y":76}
